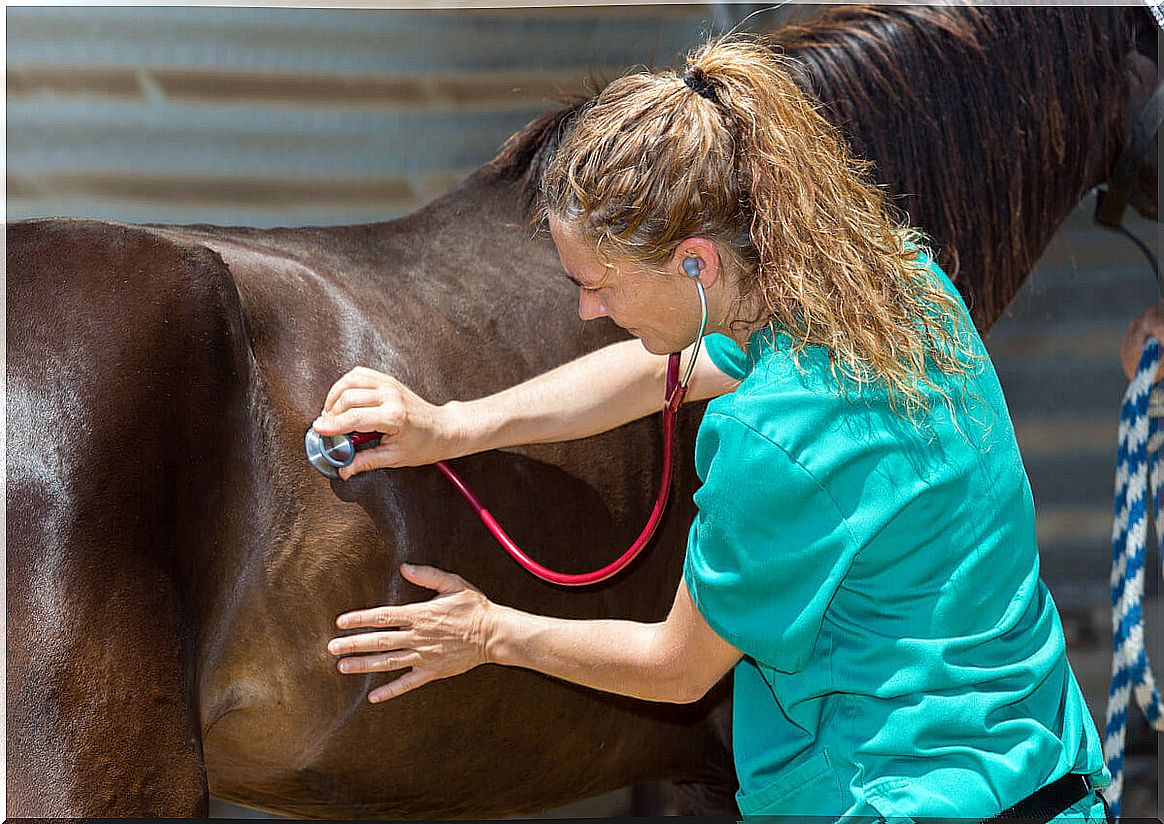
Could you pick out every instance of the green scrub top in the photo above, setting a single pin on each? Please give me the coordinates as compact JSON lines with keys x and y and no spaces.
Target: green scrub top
{"x":902,"y":657}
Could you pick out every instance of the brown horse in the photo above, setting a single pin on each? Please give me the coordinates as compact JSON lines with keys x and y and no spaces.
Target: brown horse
{"x":175,"y":567}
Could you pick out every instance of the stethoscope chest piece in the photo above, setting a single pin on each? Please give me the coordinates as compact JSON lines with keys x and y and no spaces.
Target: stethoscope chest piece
{"x":327,"y":453}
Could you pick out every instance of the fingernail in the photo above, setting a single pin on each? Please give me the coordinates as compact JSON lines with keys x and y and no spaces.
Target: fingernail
{"x":346,"y":666}
{"x":333,"y":647}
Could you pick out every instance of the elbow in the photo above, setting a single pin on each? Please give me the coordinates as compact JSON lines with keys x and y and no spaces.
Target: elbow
{"x":688,"y":696}
{"x":688,"y":690}
{"x":681,"y":673}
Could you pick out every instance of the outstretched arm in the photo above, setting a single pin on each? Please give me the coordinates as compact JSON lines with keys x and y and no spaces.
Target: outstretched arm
{"x":677,"y":660}
{"x":595,"y":393}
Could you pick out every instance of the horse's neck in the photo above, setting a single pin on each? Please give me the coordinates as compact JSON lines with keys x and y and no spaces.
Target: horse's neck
{"x":997,"y":136}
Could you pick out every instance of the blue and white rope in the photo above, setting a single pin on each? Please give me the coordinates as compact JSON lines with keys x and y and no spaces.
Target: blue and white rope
{"x":1141,"y":435}
{"x":1155,"y":6}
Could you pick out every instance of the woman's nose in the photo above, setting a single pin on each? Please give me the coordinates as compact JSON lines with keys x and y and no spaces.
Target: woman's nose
{"x":590,"y":305}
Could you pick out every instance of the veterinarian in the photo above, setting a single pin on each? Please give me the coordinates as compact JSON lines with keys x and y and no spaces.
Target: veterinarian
{"x":863,"y":559}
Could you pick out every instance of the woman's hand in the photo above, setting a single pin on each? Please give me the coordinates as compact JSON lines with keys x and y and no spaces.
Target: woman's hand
{"x":1149,"y":324}
{"x":437,"y":639}
{"x":414,"y":431}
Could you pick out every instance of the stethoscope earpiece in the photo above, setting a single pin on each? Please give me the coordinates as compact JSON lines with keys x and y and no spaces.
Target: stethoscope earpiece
{"x":692,"y":266}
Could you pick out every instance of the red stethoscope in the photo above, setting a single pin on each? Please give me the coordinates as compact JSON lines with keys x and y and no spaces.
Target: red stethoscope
{"x":328,"y":453}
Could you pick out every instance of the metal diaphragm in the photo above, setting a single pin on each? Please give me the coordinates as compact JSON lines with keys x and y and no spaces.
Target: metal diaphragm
{"x":327,"y":453}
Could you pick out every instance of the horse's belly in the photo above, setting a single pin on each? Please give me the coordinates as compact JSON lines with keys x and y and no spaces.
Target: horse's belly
{"x":493,"y":742}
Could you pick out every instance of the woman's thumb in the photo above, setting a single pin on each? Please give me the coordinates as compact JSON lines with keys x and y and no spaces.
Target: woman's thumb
{"x":431,"y":578}
{"x":366,"y":460}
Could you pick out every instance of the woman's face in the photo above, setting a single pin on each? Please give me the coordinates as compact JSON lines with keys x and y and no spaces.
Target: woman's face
{"x":659,"y":308}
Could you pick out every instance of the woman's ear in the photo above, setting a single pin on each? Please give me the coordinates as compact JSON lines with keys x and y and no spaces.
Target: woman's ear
{"x":705,"y":256}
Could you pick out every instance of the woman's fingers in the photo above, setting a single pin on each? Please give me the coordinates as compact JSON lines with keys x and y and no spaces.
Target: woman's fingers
{"x":361,"y":397}
{"x":358,"y":378}
{"x":413,"y":431}
{"x":366,"y":460}
{"x":374,"y":642}
{"x":405,"y":683}
{"x":354,"y":397}
{"x":1153,"y":324}
{"x":359,"y":419}
{"x":386,"y":662}
{"x":433,"y":578}
{"x":440,"y":638}
{"x":1149,"y":324}
{"x":380,"y":617}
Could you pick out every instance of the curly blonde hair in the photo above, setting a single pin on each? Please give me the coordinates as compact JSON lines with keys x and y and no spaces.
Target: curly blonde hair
{"x":735,"y":152}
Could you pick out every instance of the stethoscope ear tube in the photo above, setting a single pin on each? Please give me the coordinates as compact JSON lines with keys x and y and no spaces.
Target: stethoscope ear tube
{"x":674,"y":405}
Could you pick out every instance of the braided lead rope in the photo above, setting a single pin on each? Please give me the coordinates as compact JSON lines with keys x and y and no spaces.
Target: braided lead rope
{"x":1130,"y":670}
{"x":1157,"y":9}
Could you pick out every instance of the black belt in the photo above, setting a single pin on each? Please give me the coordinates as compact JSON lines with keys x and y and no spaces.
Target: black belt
{"x":1045,"y":804}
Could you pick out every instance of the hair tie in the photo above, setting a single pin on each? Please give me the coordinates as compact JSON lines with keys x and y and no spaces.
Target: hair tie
{"x":698,"y":83}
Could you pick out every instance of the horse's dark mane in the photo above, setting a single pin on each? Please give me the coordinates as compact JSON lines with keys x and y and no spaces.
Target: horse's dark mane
{"x":523,"y":157}
{"x":976,"y":157}
{"x":963,"y":149}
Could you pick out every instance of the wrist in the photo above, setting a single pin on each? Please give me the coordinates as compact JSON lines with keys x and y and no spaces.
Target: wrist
{"x":460,"y":434}
{"x":495,"y":634}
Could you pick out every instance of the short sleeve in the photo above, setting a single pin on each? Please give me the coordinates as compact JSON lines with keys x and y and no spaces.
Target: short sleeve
{"x":768,"y":548}
{"x":726,"y":355}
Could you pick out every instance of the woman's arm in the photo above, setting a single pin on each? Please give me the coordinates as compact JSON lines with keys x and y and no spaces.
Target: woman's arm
{"x":677,"y":660}
{"x":595,"y":393}
{"x":598,"y":392}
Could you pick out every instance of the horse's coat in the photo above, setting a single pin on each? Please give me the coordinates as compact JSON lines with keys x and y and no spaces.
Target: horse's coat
{"x":175,"y":567}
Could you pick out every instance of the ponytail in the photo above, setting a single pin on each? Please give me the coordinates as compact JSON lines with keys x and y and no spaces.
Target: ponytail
{"x":734,"y":151}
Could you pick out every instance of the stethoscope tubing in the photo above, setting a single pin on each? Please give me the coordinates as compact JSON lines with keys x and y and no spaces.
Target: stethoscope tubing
{"x":673,"y":395}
